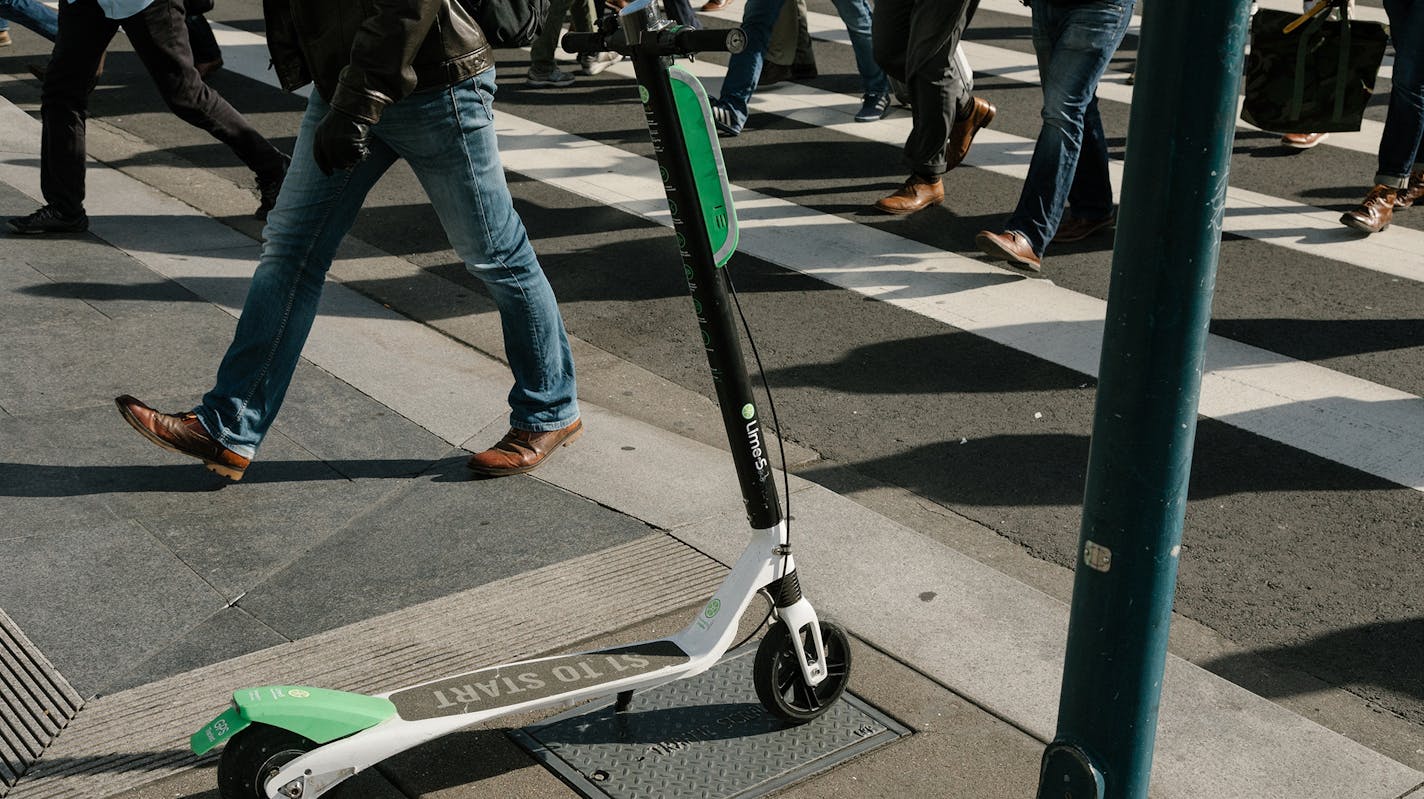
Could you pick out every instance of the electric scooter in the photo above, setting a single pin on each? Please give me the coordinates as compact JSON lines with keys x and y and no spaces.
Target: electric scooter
{"x":299,"y":742}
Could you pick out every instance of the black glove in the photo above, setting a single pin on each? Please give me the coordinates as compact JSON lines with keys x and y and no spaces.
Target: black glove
{"x":341,"y":141}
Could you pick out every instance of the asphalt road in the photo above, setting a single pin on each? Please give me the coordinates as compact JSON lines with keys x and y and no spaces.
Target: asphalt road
{"x":1307,"y":561}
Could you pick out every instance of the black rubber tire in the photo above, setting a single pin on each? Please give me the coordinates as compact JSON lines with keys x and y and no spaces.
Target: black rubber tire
{"x":779,"y":684}
{"x":252,"y":756}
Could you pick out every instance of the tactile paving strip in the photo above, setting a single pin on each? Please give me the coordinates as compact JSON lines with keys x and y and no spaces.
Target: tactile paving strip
{"x":706,"y":737}
{"x":36,"y":702}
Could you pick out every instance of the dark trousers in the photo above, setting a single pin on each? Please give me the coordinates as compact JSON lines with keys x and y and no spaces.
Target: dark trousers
{"x":914,"y":43}
{"x":159,"y":36}
{"x":204,"y":43}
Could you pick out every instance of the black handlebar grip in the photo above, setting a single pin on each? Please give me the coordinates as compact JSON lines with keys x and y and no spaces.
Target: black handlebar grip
{"x":728,"y":40}
{"x":583,"y":43}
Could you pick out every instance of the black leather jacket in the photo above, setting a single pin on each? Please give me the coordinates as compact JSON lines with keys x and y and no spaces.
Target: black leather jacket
{"x":366,"y":54}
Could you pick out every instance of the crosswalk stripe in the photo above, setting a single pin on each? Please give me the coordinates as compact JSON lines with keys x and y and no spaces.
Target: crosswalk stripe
{"x":1362,"y":12}
{"x":1254,"y":215}
{"x":1363,"y":425}
{"x":1021,"y":67}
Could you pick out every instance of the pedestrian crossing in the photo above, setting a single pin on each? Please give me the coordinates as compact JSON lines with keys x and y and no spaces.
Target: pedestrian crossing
{"x":1323,"y":405}
{"x":1374,"y":428}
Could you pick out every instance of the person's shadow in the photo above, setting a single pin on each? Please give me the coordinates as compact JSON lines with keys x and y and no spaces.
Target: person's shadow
{"x":45,"y":480}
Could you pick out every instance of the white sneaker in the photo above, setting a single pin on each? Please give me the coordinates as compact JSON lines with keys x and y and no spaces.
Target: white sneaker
{"x":594,"y":63}
{"x":555,"y":78}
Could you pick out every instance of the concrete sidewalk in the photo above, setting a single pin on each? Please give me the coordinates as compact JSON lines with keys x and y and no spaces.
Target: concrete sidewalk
{"x":154,"y":587}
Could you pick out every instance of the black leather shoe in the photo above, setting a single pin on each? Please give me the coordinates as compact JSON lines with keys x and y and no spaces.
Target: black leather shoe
{"x":48,"y":220}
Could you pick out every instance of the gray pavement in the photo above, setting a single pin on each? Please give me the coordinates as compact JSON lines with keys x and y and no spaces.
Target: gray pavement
{"x":154,"y":586}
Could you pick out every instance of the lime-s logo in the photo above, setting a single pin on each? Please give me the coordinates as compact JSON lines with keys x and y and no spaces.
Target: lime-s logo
{"x":297,"y":693}
{"x":643,"y":94}
{"x":748,"y":411}
{"x":712,"y":608}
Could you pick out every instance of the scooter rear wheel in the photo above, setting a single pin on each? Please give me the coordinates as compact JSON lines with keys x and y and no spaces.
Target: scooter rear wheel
{"x":254,"y":756}
{"x":780,"y":685}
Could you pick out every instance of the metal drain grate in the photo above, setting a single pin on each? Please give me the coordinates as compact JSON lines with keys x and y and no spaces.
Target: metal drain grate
{"x":706,"y":737}
{"x":35,"y":703}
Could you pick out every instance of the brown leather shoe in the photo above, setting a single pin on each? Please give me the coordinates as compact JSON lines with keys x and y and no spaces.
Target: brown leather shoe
{"x":917,"y":193}
{"x":1074,"y":228}
{"x":1010,"y":246}
{"x":1375,"y":213}
{"x":716,"y":5}
{"x":521,"y":451}
{"x":1303,"y":141}
{"x":1413,"y":193}
{"x":962,"y":134}
{"x":184,"y":434}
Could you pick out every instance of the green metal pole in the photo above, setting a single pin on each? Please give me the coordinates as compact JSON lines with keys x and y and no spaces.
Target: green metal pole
{"x":1159,"y":305}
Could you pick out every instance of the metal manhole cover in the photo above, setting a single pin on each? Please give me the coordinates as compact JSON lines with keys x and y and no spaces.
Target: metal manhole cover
{"x":706,"y":737}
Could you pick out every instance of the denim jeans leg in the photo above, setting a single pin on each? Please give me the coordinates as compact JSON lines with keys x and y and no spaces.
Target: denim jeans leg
{"x":34,"y":15}
{"x":1073,"y":45}
{"x":1091,"y":195}
{"x":744,"y":68}
{"x":466,"y":187}
{"x":1400,"y":144}
{"x":856,"y":16}
{"x":313,"y":213}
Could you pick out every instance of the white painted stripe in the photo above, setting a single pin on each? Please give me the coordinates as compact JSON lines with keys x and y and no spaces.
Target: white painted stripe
{"x":1373,"y":428}
{"x":1366,"y":426}
{"x":1295,"y":226}
{"x":1018,"y":9}
{"x":1022,"y":67}
{"x":1307,"y":229}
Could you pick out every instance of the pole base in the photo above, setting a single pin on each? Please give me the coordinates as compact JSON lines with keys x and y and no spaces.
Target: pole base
{"x":1068,"y":773}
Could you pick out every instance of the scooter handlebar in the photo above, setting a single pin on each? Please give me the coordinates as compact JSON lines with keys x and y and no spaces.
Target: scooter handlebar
{"x":583,"y":43}
{"x":725,"y":40}
{"x":682,"y":41}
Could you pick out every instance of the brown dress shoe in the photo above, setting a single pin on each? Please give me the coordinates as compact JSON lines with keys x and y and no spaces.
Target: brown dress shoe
{"x":1074,"y":228}
{"x":1375,"y":213}
{"x":521,"y":451}
{"x":1413,"y":193}
{"x":1303,"y":141}
{"x":962,"y":134}
{"x":716,"y":5}
{"x":917,"y":193}
{"x":1010,"y":246}
{"x":184,"y":434}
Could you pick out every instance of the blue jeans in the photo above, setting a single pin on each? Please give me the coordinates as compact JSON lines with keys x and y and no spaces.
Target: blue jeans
{"x":758,"y":18}
{"x":448,"y":138}
{"x":1070,"y":159}
{"x":744,"y":68}
{"x":856,"y":16}
{"x":1402,"y":144}
{"x":34,"y":15}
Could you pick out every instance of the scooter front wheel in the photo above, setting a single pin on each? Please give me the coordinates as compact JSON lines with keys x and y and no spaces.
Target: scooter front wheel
{"x":254,"y":756}
{"x":782,"y":687}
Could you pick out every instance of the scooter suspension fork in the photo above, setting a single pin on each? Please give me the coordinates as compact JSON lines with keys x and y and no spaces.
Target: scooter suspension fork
{"x":795,"y":611}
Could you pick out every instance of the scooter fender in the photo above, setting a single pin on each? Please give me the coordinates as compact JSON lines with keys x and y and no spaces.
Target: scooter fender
{"x":318,"y":714}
